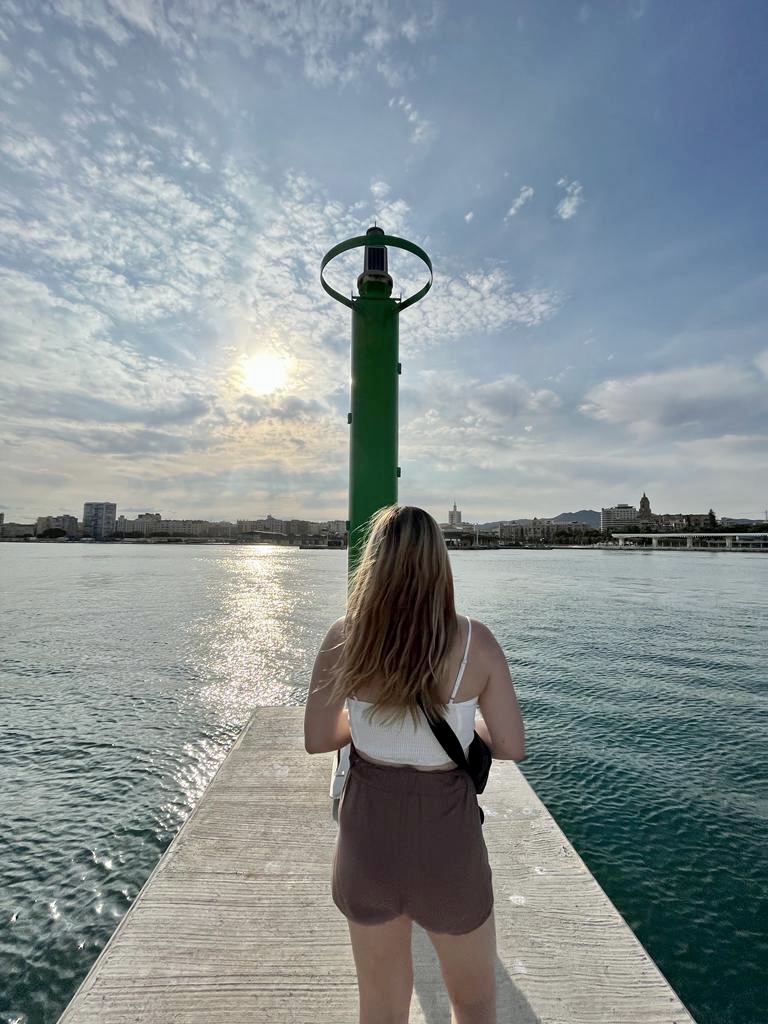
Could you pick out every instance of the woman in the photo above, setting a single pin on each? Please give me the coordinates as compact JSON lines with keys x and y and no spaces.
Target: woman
{"x":410,"y":845}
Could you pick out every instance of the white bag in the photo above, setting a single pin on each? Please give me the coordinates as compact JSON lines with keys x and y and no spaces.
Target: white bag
{"x":339,"y":777}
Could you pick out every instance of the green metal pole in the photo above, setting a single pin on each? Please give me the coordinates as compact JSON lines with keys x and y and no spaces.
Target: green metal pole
{"x":373,"y":469}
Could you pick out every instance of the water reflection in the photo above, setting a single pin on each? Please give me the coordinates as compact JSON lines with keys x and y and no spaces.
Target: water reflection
{"x":250,"y":643}
{"x":262,"y":619}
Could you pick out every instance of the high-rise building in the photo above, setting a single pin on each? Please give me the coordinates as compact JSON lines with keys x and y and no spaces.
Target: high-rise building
{"x":99,"y":519}
{"x":454,"y":516}
{"x":618,"y":517}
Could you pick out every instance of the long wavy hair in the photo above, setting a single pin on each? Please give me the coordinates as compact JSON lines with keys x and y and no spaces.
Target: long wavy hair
{"x":400,"y":623}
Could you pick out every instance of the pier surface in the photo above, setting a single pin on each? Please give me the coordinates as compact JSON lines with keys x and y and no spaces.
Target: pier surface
{"x":236,"y":923}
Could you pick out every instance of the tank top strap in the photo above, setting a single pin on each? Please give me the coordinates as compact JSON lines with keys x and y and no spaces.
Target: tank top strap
{"x":463,"y":665}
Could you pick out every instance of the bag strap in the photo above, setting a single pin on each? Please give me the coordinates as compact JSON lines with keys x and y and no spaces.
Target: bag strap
{"x":463,"y":665}
{"x":447,"y":739}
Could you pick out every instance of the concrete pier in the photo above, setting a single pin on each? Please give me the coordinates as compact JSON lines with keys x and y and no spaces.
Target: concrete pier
{"x":236,"y":923}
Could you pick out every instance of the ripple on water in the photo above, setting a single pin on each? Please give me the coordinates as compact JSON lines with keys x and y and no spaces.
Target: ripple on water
{"x":642,"y":681}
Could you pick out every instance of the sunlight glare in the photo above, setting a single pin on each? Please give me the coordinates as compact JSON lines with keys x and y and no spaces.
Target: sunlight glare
{"x":264,"y":374}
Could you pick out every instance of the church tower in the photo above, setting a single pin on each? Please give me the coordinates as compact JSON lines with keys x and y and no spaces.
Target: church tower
{"x":454,"y":516}
{"x":645,"y":508}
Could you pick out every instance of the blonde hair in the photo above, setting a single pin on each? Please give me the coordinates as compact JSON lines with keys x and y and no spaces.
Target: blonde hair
{"x":401,"y":619}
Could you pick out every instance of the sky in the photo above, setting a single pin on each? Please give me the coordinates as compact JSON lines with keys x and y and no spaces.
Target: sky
{"x":589,"y":180}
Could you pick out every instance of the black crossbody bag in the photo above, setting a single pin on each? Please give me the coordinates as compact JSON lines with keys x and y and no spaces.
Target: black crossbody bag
{"x":478,"y":760}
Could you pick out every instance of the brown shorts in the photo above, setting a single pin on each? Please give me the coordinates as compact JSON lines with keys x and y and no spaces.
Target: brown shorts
{"x":411,"y":842}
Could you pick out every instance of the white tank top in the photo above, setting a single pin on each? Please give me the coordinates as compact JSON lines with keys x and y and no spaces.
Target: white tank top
{"x":402,"y":742}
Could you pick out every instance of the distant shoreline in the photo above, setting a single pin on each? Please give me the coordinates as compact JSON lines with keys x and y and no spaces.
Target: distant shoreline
{"x":193,"y":542}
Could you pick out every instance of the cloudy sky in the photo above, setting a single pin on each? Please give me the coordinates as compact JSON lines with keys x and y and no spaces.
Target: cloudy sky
{"x":589,"y":179}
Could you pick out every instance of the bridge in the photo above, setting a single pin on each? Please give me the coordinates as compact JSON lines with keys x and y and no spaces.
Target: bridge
{"x":699,"y":541}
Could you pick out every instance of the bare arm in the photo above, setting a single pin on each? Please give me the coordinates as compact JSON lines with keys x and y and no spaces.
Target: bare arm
{"x":501,"y":725}
{"x":326,"y":725}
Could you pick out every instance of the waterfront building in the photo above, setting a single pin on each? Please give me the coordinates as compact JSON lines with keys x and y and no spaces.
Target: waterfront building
{"x":454,"y":516}
{"x":152,"y":524}
{"x":222,"y":529}
{"x":184,"y":527}
{"x":148,"y":519}
{"x":618,"y":517}
{"x":510,"y":533}
{"x":537,"y":531}
{"x":699,"y":521}
{"x":67,"y":523}
{"x":299,"y":528}
{"x":645,"y":518}
{"x":144,"y":525}
{"x":16,"y":530}
{"x":267,"y":525}
{"x":256,"y":529}
{"x":679,"y":521}
{"x":469,"y":535}
{"x":99,"y":519}
{"x":250,"y":526}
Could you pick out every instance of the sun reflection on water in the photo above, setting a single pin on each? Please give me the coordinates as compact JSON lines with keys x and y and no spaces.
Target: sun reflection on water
{"x":252,"y":645}
{"x":259,"y":617}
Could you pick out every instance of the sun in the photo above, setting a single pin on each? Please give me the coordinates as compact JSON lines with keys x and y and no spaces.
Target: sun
{"x":263,"y":374}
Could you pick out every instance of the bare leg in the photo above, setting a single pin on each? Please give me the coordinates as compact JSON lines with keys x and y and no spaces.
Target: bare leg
{"x":384,"y":970}
{"x":468,"y":966}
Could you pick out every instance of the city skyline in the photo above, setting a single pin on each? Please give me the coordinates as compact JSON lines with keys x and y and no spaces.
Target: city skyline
{"x":171,"y":176}
{"x":453,"y":515}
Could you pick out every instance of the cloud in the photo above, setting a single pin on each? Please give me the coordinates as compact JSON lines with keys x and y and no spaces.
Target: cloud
{"x":557,"y":377}
{"x":489,"y":422}
{"x":80,"y":406}
{"x":103,"y":56}
{"x":151,"y":255}
{"x":468,"y":216}
{"x":569,"y":205}
{"x":422,"y":130}
{"x":380,"y":190}
{"x":30,"y":151}
{"x":410,"y":29}
{"x":442,"y":409}
{"x":144,"y":288}
{"x":526,"y":193}
{"x":288,"y":408}
{"x":702,"y":400}
{"x":477,"y":301}
{"x":71,"y":60}
{"x":334,"y":42}
{"x":136,"y":441}
{"x":377,"y":38}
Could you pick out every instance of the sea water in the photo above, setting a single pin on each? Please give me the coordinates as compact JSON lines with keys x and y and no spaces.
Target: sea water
{"x":127,"y":671}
